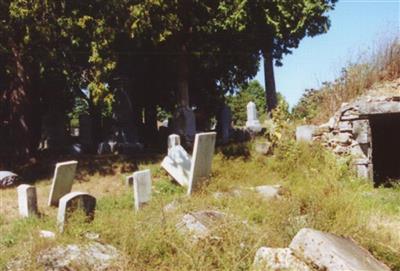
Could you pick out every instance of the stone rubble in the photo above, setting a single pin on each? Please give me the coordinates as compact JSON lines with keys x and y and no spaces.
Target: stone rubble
{"x":348,"y":132}
{"x":276,"y":259}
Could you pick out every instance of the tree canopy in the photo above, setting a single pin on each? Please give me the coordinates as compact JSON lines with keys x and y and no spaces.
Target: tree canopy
{"x":164,"y":54}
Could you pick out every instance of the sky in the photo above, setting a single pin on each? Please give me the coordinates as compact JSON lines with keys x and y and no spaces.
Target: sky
{"x":357,"y":27}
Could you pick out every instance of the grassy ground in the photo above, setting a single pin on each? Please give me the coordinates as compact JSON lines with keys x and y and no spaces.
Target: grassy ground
{"x":320,"y":192}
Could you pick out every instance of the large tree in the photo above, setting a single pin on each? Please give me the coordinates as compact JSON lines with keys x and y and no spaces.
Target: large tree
{"x":279,"y":26}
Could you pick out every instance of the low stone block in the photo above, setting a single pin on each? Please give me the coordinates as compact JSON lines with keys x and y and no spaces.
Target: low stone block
{"x":27,"y":200}
{"x":199,"y":225}
{"x":269,"y":191}
{"x":141,"y":187}
{"x":330,"y":252}
{"x":72,"y":202}
{"x":272,"y":259}
{"x":62,"y":181}
{"x":305,"y":132}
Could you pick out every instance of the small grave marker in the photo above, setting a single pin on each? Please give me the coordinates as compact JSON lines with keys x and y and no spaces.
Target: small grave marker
{"x":27,"y":200}
{"x":141,"y":187}
{"x":73,"y":201}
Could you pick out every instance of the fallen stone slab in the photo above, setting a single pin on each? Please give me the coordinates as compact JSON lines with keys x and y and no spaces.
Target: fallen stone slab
{"x":8,"y":179}
{"x":199,"y":225}
{"x":331,"y":252}
{"x":92,"y":256}
{"x":269,"y":191}
{"x":272,"y":259}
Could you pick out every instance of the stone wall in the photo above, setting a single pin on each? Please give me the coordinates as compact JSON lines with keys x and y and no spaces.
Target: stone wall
{"x":349,"y":131}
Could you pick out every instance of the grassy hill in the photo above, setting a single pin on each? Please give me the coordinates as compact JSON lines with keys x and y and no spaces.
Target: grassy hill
{"x":320,"y":192}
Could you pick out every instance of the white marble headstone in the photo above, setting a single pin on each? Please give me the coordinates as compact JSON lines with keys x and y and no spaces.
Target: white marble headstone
{"x":27,"y":200}
{"x":141,"y":187}
{"x":62,"y":181}
{"x":252,"y":122}
{"x":203,"y":152}
{"x":73,"y":201}
{"x":178,"y":162}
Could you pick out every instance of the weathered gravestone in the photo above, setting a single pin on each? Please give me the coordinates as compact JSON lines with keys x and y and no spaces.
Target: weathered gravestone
{"x":27,"y":200}
{"x":186,"y":170}
{"x":8,"y":178}
{"x":62,"y":181}
{"x":184,"y":124}
{"x":252,"y":123}
{"x":85,"y":130}
{"x":330,"y":252}
{"x":224,"y":124}
{"x":141,"y":187}
{"x":72,"y":202}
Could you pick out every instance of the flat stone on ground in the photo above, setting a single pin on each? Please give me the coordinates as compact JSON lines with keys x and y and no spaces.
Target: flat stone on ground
{"x":269,"y":191}
{"x":272,"y":259}
{"x":331,"y":252}
{"x":92,"y":256}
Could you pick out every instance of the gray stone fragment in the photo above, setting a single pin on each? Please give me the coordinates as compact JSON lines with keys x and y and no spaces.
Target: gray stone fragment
{"x":263,"y":147}
{"x":333,"y":253}
{"x":92,"y":256}
{"x":199,"y":225}
{"x":269,"y":191}
{"x":47,"y":234}
{"x":305,"y":133}
{"x":271,"y":259}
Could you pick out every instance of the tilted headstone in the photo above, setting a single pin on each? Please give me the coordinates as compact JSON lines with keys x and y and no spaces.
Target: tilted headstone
{"x":141,"y":187}
{"x":327,"y":251}
{"x":72,"y":202}
{"x":186,"y":170}
{"x":177,"y":163}
{"x":203,"y":152}
{"x":252,"y":122}
{"x":27,"y":200}
{"x":62,"y":181}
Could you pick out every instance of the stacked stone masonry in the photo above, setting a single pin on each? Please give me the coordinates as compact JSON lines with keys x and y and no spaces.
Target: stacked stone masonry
{"x":349,"y":131}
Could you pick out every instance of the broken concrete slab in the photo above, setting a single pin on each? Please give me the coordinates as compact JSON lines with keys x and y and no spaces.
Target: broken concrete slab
{"x":199,"y":225}
{"x":331,"y":252}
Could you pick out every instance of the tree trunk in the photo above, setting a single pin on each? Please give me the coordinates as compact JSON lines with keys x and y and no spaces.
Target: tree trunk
{"x":183,"y":78}
{"x":270,"y":89}
{"x":20,"y":111}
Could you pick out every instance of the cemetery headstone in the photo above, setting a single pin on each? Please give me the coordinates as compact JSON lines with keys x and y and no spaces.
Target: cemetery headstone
{"x":186,"y":170}
{"x":177,"y":163}
{"x":224,"y":125}
{"x":184,"y":124}
{"x":141,"y":187}
{"x":203,"y":153}
{"x":72,"y":202}
{"x":62,"y":181}
{"x":252,"y":123}
{"x":27,"y":200}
